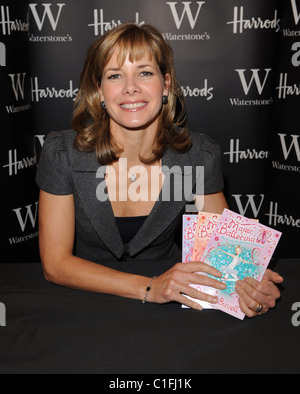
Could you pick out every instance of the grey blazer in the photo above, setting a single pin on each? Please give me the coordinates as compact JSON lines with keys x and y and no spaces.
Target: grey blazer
{"x":64,"y":170}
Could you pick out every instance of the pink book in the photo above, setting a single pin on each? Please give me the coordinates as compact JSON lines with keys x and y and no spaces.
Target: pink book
{"x":188,"y":236}
{"x":203,"y":226}
{"x":239,"y":247}
{"x":206,"y":224}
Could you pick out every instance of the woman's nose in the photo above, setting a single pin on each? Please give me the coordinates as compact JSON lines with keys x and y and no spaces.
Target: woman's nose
{"x":131,"y":86}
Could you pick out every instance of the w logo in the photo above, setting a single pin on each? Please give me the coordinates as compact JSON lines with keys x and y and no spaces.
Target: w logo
{"x":47,"y":13}
{"x":294,"y":144}
{"x":260,"y":84}
{"x":186,"y":11}
{"x":295,"y":11}
{"x":17,"y":82}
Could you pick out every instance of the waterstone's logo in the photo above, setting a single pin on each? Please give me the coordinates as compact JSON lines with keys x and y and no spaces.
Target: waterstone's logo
{"x":290,"y":147}
{"x":251,"y":203}
{"x":256,"y":78}
{"x":186,"y":15}
{"x":101,"y":25}
{"x":177,"y":184}
{"x":296,"y":14}
{"x":48,"y":15}
{"x":26,"y":218}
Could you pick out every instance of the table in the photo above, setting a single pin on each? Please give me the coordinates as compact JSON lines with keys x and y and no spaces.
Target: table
{"x":55,"y":330}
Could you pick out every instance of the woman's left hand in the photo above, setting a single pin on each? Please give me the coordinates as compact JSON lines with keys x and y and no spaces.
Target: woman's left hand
{"x":253,"y":293}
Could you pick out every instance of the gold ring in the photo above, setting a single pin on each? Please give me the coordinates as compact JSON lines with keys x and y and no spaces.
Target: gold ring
{"x":258,"y":308}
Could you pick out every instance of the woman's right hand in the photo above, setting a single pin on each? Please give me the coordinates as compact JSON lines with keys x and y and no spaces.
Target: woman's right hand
{"x":171,"y":285}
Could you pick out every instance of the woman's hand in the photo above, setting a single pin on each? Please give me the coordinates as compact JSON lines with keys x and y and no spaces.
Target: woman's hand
{"x":252,"y":293}
{"x":175,"y":282}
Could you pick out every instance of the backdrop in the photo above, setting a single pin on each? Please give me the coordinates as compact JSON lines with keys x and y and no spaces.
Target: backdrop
{"x":237,"y":62}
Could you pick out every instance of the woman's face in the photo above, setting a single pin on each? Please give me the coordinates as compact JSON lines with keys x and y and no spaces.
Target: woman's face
{"x":133,"y":92}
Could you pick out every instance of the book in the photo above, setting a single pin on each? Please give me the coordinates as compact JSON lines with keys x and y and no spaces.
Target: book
{"x":238,"y":247}
{"x":188,"y":236}
{"x":204,"y":225}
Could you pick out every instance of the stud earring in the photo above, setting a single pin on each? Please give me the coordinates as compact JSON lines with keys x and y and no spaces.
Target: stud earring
{"x":102,"y":105}
{"x":165,"y":100}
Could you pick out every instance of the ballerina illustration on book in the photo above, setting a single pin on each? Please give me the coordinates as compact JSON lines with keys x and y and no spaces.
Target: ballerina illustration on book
{"x":235,"y":262}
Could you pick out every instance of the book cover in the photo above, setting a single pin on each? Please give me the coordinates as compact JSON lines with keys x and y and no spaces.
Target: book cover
{"x":203,"y":226}
{"x":206,"y":224}
{"x":188,"y":236}
{"x":239,"y":247}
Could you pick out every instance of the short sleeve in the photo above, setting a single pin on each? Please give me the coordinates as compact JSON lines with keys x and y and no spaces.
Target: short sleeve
{"x":213,"y":176}
{"x":207,"y":153}
{"x":54,"y":174}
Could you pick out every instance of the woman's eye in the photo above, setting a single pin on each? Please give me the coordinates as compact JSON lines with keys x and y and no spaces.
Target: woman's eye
{"x":146,"y":73}
{"x":114,"y":76}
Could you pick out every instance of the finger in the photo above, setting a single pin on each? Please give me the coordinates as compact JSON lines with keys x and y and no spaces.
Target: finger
{"x":262,"y":291}
{"x":248,"y":311}
{"x":273,"y":276}
{"x":198,"y":266}
{"x":199,"y":279}
{"x":191,"y":295}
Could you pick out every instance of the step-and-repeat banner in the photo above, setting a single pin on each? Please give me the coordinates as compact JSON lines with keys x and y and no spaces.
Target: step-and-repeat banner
{"x":237,"y":62}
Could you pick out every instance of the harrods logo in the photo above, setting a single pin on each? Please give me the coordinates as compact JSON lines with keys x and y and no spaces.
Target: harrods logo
{"x":250,"y":203}
{"x":258,"y":79}
{"x":16,"y":164}
{"x":286,"y":89}
{"x":101,"y":25}
{"x":38,"y":93}
{"x":236,"y":154}
{"x":241,"y":23}
{"x":186,"y":15}
{"x":9,"y":25}
{"x":206,"y":91}
{"x":276,"y":219}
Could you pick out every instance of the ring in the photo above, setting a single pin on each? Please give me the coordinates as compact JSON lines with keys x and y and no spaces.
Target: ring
{"x":258,"y":308}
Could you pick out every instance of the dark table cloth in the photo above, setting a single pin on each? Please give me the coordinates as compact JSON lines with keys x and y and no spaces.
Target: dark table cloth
{"x":52,"y":329}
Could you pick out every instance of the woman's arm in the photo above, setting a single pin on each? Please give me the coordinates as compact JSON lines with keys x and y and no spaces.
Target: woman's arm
{"x":56,"y":237}
{"x":57,"y":229}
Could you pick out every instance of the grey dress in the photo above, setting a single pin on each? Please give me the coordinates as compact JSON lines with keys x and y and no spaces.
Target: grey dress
{"x":64,"y":170}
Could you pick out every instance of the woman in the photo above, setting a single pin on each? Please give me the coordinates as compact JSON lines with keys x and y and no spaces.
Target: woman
{"x":116,"y":177}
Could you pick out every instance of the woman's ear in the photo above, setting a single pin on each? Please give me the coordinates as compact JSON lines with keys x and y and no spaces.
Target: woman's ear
{"x":167,"y":84}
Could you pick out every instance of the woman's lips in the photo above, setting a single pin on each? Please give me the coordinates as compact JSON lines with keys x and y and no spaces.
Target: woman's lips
{"x":133,"y":106}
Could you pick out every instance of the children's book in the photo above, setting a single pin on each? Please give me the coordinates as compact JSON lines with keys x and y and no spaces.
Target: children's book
{"x":238,"y":247}
{"x":188,"y":236}
{"x":204,"y":225}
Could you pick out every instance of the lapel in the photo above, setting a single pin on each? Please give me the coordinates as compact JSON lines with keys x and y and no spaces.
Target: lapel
{"x":89,"y":180}
{"x":177,"y":169}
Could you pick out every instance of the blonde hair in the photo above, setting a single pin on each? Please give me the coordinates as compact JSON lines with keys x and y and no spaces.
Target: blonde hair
{"x":92,"y":122}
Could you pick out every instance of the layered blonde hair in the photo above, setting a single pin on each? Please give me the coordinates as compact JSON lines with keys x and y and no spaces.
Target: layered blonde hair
{"x":92,"y":122}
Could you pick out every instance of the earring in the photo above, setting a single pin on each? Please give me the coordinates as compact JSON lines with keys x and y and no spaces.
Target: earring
{"x":165,"y":100}
{"x":102,"y":105}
